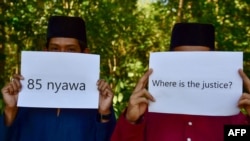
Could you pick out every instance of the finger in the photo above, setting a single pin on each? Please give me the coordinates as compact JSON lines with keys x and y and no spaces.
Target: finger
{"x":139,"y":101}
{"x":142,"y":93}
{"x":7,"y":89}
{"x":107,"y":93}
{"x":11,"y":89}
{"x":245,"y":79}
{"x":244,"y":98}
{"x":101,"y":84}
{"x":244,"y":102}
{"x":143,"y":80}
{"x":17,"y":84}
{"x":98,"y":82}
{"x":18,"y":76}
{"x":241,"y":98}
{"x":14,"y":88}
{"x":104,"y":86}
{"x":245,"y":95}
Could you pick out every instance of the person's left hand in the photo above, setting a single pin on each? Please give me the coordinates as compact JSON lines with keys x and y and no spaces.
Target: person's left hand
{"x":105,"y":97}
{"x":244,"y":101}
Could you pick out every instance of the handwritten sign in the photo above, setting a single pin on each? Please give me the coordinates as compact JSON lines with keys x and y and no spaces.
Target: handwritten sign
{"x":196,"y":83}
{"x":59,"y":80}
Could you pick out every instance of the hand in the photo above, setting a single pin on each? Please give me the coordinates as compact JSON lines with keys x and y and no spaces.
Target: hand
{"x":244,"y":101}
{"x":139,"y":99}
{"x":106,"y":97}
{"x":10,"y":94}
{"x":11,"y":90}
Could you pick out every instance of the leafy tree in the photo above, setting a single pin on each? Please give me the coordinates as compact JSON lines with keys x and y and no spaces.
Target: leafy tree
{"x":122,"y":32}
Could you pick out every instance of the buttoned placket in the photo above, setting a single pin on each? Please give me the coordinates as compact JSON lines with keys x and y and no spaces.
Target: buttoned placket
{"x":189,"y":125}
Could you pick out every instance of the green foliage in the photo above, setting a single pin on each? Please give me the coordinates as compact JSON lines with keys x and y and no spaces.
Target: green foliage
{"x":122,"y":32}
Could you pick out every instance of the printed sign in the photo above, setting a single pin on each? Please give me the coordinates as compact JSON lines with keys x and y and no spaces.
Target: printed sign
{"x":196,"y":83}
{"x":59,"y":80}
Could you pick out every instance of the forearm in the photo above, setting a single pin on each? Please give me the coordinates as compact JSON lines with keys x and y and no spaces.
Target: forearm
{"x":125,"y":130}
{"x":105,"y":129}
{"x":104,"y":116}
{"x":10,"y":115}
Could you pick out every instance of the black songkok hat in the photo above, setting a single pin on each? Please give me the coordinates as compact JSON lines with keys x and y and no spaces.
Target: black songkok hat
{"x":69,"y":27}
{"x":193,"y":34}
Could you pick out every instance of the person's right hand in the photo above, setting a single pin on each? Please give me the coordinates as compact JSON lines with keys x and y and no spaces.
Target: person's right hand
{"x":244,"y":101}
{"x":10,"y":94}
{"x":10,"y":91}
{"x":139,"y":99}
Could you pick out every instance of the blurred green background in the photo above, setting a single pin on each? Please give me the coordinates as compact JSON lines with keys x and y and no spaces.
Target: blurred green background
{"x":123,"y":32}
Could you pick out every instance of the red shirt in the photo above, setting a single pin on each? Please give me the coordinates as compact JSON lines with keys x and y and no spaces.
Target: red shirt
{"x":174,"y":127}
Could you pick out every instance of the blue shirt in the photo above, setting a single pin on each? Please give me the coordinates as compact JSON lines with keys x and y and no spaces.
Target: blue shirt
{"x":40,"y":124}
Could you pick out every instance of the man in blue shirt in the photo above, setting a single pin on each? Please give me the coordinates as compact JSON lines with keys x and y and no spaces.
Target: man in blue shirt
{"x":64,"y":34}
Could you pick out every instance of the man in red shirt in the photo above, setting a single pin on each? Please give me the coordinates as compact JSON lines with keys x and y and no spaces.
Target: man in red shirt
{"x":137,"y":124}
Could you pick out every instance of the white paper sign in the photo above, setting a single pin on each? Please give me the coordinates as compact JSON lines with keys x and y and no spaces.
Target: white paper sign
{"x":196,"y":83}
{"x":59,"y":80}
